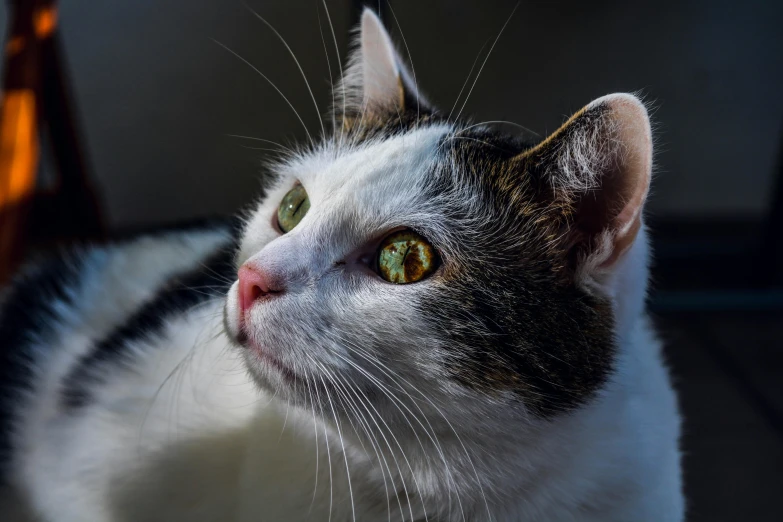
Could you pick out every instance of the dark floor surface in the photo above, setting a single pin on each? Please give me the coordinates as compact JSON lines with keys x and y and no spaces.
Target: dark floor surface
{"x":728,"y":370}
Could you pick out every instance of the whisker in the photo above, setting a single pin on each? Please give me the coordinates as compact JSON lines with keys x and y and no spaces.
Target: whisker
{"x":465,"y":83}
{"x":534,"y":133}
{"x":345,"y":452}
{"x":366,"y":403}
{"x":347,"y":387}
{"x":468,"y":138}
{"x":265,"y":149}
{"x":315,"y":431}
{"x":399,"y":403}
{"x":282,"y":147}
{"x":218,"y":275}
{"x":328,"y":452}
{"x":481,"y":69}
{"x":285,"y":420}
{"x":366,"y":428}
{"x":298,"y":65}
{"x":271,"y":83}
{"x":328,"y":66}
{"x":459,"y":439}
{"x":410,"y":59}
{"x":339,"y":61}
{"x":174,"y":373}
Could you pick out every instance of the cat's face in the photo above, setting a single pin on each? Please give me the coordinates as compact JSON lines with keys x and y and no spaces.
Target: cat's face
{"x":411,"y":255}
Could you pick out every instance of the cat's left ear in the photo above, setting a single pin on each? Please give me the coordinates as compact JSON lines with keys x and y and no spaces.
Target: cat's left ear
{"x":376,"y":81}
{"x":595,"y":171}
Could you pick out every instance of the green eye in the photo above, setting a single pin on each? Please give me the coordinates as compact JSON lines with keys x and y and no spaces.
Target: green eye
{"x":293,"y":208}
{"x":406,"y":257}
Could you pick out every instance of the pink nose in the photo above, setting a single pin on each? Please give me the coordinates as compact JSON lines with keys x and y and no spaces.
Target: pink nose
{"x":256,"y":284}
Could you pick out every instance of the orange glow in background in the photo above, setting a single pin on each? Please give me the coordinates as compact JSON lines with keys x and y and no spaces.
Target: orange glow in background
{"x":45,"y":21}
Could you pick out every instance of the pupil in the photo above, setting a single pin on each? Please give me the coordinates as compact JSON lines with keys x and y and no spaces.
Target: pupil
{"x":301,"y":202}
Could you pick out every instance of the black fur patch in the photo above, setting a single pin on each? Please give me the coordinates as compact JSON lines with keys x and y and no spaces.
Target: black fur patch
{"x":507,"y":302}
{"x":180,"y":294}
{"x":28,"y":316}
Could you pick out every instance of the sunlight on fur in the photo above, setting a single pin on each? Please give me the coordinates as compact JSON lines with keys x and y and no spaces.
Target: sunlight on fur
{"x":422,"y":319}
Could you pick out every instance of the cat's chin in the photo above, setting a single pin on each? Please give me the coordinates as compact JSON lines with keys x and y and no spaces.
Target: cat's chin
{"x":269,"y":362}
{"x":269,"y":371}
{"x":279,"y":381}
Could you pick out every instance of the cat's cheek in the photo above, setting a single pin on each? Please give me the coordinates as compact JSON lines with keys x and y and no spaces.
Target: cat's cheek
{"x":231,"y":314}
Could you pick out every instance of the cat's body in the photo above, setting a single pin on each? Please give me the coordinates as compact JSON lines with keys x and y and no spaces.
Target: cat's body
{"x":496,"y":388}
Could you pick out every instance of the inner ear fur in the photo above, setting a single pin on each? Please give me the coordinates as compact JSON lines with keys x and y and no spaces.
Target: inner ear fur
{"x":596,"y":170}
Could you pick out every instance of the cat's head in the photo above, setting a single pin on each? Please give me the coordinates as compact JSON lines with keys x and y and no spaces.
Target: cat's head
{"x":408,"y":257}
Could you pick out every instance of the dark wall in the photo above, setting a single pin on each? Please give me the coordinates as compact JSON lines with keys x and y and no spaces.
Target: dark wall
{"x":710,"y":69}
{"x":158,"y":97}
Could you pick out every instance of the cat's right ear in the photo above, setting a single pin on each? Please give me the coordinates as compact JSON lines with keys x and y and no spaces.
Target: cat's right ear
{"x":375,"y":82}
{"x":595,"y":171}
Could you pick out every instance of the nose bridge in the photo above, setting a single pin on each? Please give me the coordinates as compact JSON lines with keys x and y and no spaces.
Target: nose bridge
{"x":312,"y":248}
{"x":284,"y":259}
{"x":297,"y":258}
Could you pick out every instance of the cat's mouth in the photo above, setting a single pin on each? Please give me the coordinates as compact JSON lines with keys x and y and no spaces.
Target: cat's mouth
{"x":272,"y":362}
{"x":236,"y":326}
{"x":267,"y":359}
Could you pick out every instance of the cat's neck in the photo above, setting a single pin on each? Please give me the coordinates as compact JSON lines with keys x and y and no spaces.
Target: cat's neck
{"x":414,"y":470}
{"x":366,"y":468}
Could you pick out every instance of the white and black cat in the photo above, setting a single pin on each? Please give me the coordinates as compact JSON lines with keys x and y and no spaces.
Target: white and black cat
{"x":422,"y":319}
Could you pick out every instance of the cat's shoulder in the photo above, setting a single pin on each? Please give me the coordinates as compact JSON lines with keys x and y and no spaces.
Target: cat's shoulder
{"x":57,"y":309}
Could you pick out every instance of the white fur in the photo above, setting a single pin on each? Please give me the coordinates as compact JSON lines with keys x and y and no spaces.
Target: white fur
{"x":185,"y":433}
{"x":201,"y":440}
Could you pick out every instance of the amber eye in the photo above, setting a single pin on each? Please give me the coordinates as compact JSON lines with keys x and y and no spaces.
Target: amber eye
{"x":293,"y":208}
{"x":406,"y":257}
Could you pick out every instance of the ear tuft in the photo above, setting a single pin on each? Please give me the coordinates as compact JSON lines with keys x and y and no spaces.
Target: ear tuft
{"x":598,"y":166}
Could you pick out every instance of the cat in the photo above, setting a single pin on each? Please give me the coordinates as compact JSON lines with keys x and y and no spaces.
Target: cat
{"x":422,"y":319}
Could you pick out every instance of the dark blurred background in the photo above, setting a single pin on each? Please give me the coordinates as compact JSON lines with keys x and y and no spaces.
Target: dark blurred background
{"x":156,"y":100}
